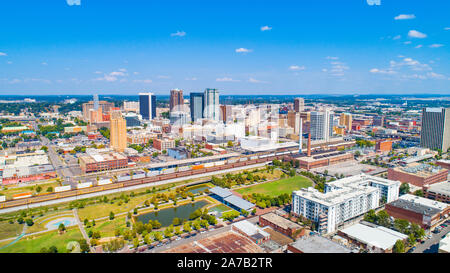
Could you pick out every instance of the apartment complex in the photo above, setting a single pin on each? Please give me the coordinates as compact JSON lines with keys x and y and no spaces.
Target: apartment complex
{"x":343,"y":199}
{"x":321,"y":125}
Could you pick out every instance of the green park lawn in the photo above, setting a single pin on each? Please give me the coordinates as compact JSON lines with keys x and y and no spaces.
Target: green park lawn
{"x":33,"y":244}
{"x":278,"y":187}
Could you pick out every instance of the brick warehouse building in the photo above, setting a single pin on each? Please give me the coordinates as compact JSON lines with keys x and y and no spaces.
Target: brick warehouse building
{"x":418,"y":174}
{"x":102,"y":162}
{"x":438,"y":191}
{"x":424,"y":212}
{"x":279,"y":224}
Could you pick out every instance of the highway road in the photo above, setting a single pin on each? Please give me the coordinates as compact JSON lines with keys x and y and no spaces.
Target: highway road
{"x":147,"y":185}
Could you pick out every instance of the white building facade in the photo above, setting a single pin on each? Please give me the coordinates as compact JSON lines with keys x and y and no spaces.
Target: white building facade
{"x":343,"y":200}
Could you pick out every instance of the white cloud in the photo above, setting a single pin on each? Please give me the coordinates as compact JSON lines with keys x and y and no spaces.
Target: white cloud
{"x":117,"y":73}
{"x":9,"y":62}
{"x":433,"y":75}
{"x":382,"y":71}
{"x":178,"y":33}
{"x":416,"y":34}
{"x":226,"y":79}
{"x":252,"y":80}
{"x":265,"y":28}
{"x":136,"y":73}
{"x":143,"y":81}
{"x":98,"y":72}
{"x":191,"y":79}
{"x":436,"y":45}
{"x":73,"y":2}
{"x":407,"y":42}
{"x":296,"y":67}
{"x":405,"y":17}
{"x":397,"y":37}
{"x":107,"y":78}
{"x":243,"y":50}
{"x":418,"y":46}
{"x":447,"y":28}
{"x":332,"y":58}
{"x":163,"y":77}
{"x":44,"y":63}
{"x":3,"y":54}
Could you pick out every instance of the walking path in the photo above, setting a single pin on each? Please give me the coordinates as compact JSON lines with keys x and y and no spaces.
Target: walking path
{"x":80,"y":226}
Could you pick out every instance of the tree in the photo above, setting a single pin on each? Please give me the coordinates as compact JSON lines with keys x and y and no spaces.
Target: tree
{"x":383,"y":219}
{"x":404,"y":188}
{"x":419,"y":193}
{"x":111,"y":216}
{"x":38,"y":189}
{"x":61,"y":227}
{"x":84,"y":247}
{"x":29,"y":222}
{"x":411,"y":239}
{"x":370,"y":216}
{"x":399,"y":247}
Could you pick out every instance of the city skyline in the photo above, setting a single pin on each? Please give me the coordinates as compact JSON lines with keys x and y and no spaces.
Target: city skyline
{"x":80,"y":47}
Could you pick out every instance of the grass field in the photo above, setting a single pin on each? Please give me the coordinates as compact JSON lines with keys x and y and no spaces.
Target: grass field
{"x":33,"y":244}
{"x":9,"y":191}
{"x":278,"y":187}
{"x":107,"y":228}
{"x":8,"y":230}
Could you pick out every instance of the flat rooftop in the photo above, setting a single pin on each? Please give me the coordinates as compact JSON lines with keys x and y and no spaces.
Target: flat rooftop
{"x":280,"y":221}
{"x":227,"y":242}
{"x":415,"y":207}
{"x":424,"y":201}
{"x":379,"y":237}
{"x":421,"y":170}
{"x":319,"y":244}
{"x":441,"y":188}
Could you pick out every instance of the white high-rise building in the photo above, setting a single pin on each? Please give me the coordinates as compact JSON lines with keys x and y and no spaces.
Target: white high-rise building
{"x":343,"y":199}
{"x":212,"y":107}
{"x":321,"y":125}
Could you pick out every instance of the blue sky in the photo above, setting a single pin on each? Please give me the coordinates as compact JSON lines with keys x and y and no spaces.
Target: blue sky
{"x":239,"y":47}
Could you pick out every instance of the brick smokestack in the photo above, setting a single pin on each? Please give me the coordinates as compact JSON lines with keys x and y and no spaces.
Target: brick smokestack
{"x":309,"y":144}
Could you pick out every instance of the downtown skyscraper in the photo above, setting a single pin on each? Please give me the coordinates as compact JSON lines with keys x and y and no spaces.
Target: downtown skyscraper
{"x":197,"y":105}
{"x":435,"y":133}
{"x":147,"y":105}
{"x":176,"y":99}
{"x":211,"y":104}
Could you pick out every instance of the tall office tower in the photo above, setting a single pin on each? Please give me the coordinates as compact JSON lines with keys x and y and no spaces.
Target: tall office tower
{"x":176,"y":98}
{"x":346,"y":120}
{"x":105,"y":107}
{"x":435,"y":133}
{"x":299,"y":104}
{"x":378,"y":121}
{"x":197,"y":105}
{"x":147,"y":105}
{"x":96,"y":105}
{"x":300,"y":136}
{"x":118,"y":132}
{"x":212,"y":104}
{"x":226,"y":113}
{"x":321,"y":126}
{"x":293,"y":119}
